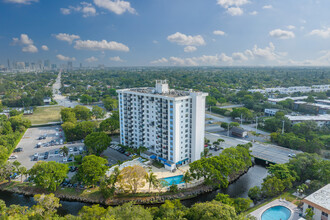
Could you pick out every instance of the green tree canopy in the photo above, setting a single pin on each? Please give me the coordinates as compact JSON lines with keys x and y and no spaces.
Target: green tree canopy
{"x":92,"y":169}
{"x":97,"y":142}
{"x":48,"y":175}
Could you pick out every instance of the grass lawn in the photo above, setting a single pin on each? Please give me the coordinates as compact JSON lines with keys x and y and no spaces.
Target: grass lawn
{"x":44,"y":115}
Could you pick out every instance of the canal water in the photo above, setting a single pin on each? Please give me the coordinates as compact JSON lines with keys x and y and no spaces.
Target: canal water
{"x":240,"y":188}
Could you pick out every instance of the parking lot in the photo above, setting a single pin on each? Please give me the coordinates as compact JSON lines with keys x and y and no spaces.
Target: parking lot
{"x":113,"y":156}
{"x":52,"y":134}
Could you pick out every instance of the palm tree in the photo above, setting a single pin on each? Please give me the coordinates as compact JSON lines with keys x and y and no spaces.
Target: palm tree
{"x":64,"y":150}
{"x":187,"y":178}
{"x":22,"y":171}
{"x":151,"y":180}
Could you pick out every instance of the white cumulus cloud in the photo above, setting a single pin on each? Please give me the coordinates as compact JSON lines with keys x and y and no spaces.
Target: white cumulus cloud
{"x":44,"y":47}
{"x":324,"y":33}
{"x":25,"y":2}
{"x":233,"y":6}
{"x":235,"y":11}
{"x":65,"y":11}
{"x":253,"y":13}
{"x":238,"y":56}
{"x":30,"y":49}
{"x":64,"y":58}
{"x":187,"y":40}
{"x":117,"y":6}
{"x":67,"y":37}
{"x":116,"y":59}
{"x":290,"y":27}
{"x":229,"y":3}
{"x":100,"y":45}
{"x":189,"y":49}
{"x":281,"y":34}
{"x":160,"y":61}
{"x":87,"y":9}
{"x":91,"y":59}
{"x":24,"y":39}
{"x":27,"y":43}
{"x":267,"y":7}
{"x":218,"y":32}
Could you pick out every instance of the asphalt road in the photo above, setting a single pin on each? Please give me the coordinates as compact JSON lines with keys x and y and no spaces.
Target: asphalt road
{"x":268,"y":152}
{"x":217,"y":118}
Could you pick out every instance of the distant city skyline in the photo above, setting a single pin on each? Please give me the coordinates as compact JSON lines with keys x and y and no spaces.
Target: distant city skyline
{"x":165,"y":32}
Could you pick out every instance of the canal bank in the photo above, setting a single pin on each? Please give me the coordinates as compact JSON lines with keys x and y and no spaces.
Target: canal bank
{"x":239,"y":188}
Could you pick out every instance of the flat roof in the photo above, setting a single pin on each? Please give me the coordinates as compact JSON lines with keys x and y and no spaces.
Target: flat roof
{"x":309,"y":117}
{"x":152,"y":91}
{"x":314,"y":104}
{"x":285,"y":98}
{"x":323,"y":100}
{"x":320,"y":198}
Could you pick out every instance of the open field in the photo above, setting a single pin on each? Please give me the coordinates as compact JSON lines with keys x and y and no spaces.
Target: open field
{"x":44,"y":115}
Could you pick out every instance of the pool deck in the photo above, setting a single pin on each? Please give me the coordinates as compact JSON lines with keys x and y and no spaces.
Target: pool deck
{"x":293,"y":208}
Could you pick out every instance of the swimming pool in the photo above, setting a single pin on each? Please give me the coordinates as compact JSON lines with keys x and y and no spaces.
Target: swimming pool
{"x":174,"y":180}
{"x":276,"y":213}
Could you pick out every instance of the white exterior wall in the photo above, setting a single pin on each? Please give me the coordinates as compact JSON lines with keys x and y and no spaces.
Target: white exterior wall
{"x":198,"y":125}
{"x":317,"y":213}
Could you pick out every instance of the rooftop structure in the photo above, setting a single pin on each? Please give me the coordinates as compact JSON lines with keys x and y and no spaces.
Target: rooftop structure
{"x":319,"y":119}
{"x":319,"y":202}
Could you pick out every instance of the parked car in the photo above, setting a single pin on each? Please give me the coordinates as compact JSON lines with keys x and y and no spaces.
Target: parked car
{"x":61,"y":154}
{"x":70,"y":159}
{"x":65,"y":159}
{"x":81,"y":148}
{"x":46,"y":155}
{"x":18,"y":150}
{"x":56,"y":152}
{"x":36,"y":155}
{"x":12,"y":157}
{"x":70,"y":149}
{"x":75,"y":149}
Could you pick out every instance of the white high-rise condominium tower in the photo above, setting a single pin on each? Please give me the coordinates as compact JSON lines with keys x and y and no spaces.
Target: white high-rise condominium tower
{"x":170,"y":123}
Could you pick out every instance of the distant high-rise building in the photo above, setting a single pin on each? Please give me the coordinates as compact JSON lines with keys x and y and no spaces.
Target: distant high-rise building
{"x":80,"y":66}
{"x":8,"y":64}
{"x":27,"y":65}
{"x":170,"y":123}
{"x":47,"y":64}
{"x":70,"y":66}
{"x":54,"y":66}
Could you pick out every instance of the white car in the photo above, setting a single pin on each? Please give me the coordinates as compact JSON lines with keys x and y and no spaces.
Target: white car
{"x":70,"y":149}
{"x":36,"y":155}
{"x":65,"y":159}
{"x":13,"y":157}
{"x":61,"y":154}
{"x":81,"y":148}
{"x":56,"y":134}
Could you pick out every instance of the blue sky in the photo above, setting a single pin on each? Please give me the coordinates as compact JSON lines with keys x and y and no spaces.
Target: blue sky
{"x":166,"y":32}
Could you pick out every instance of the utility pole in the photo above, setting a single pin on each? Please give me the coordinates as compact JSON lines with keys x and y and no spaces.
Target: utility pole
{"x":257,"y":124}
{"x":283,"y":127}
